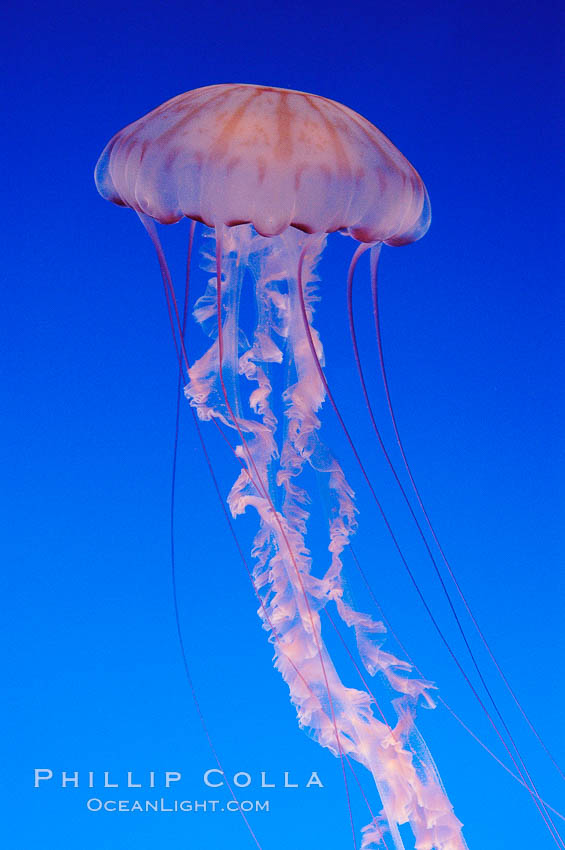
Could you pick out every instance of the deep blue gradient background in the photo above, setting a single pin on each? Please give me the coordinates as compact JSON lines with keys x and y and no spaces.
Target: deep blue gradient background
{"x":473,"y":321}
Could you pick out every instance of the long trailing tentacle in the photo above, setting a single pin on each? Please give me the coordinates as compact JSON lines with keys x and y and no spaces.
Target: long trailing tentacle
{"x":524,"y":775}
{"x":170,"y":300}
{"x":416,"y":491}
{"x":511,"y":747}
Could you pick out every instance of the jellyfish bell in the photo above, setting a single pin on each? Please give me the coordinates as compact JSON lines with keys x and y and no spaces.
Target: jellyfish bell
{"x":274,"y":158}
{"x":273,"y":172}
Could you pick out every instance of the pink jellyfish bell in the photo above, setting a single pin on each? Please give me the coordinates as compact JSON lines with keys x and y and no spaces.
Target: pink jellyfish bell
{"x":272,"y":172}
{"x":273,"y":158}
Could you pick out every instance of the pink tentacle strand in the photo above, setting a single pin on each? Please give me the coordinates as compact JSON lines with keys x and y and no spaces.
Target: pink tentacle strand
{"x":341,"y":718}
{"x":427,"y":520}
{"x":509,"y":746}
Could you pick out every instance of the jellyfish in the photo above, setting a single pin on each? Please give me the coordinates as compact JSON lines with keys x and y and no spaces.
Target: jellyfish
{"x":272,"y":173}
